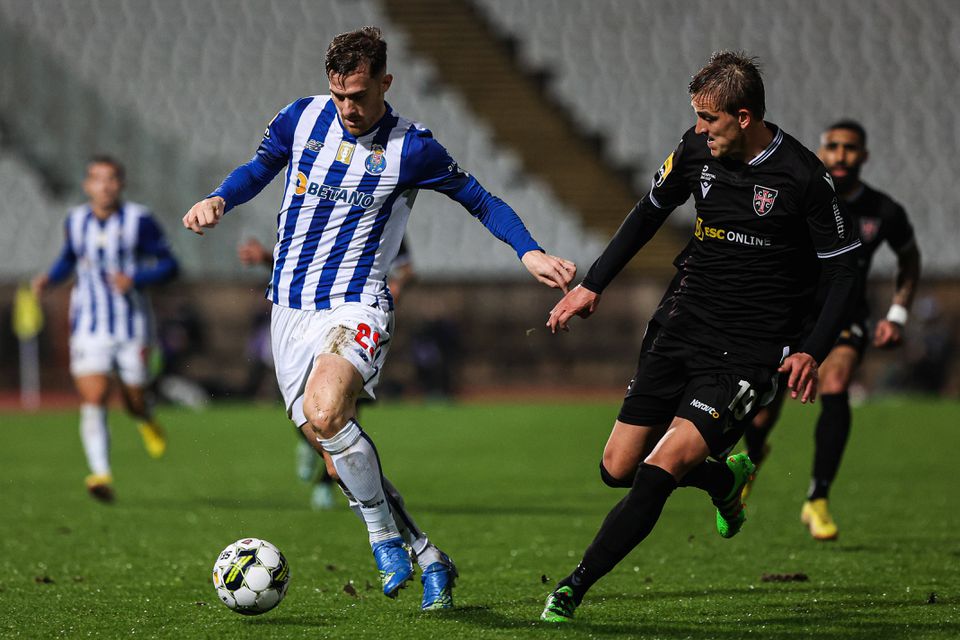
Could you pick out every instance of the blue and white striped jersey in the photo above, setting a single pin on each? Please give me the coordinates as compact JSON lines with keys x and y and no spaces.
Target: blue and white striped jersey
{"x":130,"y":242}
{"x":347,"y":199}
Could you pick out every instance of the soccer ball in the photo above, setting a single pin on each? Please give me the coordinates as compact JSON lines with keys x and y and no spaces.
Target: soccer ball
{"x":251,"y":576}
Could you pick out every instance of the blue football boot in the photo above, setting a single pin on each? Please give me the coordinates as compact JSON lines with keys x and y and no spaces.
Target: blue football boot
{"x":438,"y":581}
{"x":394,"y":564}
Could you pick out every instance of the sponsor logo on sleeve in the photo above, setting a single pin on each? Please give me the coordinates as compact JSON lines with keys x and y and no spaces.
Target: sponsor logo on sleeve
{"x":664,"y":170}
{"x":838,"y":218}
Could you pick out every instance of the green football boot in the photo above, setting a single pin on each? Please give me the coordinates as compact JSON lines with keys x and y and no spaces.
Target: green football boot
{"x":730,"y":513}
{"x":560,"y":606}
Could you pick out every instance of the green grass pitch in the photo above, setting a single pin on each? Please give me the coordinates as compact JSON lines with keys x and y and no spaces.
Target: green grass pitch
{"x":512,"y":492}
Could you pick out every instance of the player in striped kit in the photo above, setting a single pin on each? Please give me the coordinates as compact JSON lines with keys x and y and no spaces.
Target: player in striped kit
{"x":353,"y":167}
{"x":117,"y":250}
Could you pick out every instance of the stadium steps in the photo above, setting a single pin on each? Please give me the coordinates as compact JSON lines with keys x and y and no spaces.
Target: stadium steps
{"x":471,"y":57}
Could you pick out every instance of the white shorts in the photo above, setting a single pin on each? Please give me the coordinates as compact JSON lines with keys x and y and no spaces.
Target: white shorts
{"x":352,"y":330}
{"x":94,"y":355}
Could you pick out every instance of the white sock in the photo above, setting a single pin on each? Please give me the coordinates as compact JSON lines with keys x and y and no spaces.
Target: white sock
{"x":424,"y":551}
{"x":357,"y":464}
{"x":95,"y":437}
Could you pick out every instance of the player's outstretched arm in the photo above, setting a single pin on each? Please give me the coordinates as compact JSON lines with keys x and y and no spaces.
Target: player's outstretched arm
{"x":580,"y":301}
{"x":802,"y":376}
{"x":205,"y":214}
{"x":556,"y":273}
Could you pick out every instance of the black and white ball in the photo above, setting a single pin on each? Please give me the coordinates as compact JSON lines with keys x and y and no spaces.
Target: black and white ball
{"x":251,"y":576}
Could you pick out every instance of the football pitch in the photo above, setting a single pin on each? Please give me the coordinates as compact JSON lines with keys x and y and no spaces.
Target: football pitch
{"x":512,"y":492}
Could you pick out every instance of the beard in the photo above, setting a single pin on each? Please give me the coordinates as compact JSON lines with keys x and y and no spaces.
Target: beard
{"x":848,"y":181}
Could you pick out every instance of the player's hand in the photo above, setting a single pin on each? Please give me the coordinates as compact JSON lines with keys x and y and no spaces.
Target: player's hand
{"x":888,"y":334}
{"x":252,"y":253}
{"x":39,"y":284}
{"x":121,"y":282}
{"x":205,"y":214}
{"x":552,"y":271}
{"x":578,"y":302}
{"x":802,"y":378}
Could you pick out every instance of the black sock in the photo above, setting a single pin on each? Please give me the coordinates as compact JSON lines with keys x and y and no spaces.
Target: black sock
{"x":624,"y":527}
{"x":713,"y":477}
{"x":756,"y":439}
{"x":833,"y":429}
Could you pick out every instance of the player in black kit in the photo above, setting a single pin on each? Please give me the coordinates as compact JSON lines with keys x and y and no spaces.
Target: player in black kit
{"x":843,"y":149}
{"x":766,"y":215}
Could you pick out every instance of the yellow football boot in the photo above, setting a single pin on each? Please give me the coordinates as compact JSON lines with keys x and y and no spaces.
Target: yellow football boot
{"x":818,"y":520}
{"x":154,"y":438}
{"x":100,"y":487}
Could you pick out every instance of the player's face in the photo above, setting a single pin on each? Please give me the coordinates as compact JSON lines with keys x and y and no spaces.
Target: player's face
{"x":359,"y":99}
{"x":725,"y":134}
{"x":842,"y":153}
{"x":103,"y":185}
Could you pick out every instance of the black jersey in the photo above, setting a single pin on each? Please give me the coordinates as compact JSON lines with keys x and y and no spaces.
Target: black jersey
{"x":880,"y":219}
{"x":746,"y":280}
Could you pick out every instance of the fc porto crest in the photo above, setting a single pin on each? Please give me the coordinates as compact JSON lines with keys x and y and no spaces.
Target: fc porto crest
{"x":763,"y":199}
{"x":376,"y":162}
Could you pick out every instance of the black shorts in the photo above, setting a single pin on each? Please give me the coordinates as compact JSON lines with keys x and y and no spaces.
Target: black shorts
{"x":707,"y":387}
{"x":855,"y":335}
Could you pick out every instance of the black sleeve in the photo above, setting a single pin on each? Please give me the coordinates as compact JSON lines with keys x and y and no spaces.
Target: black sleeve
{"x":840,"y":275}
{"x":900,"y":232}
{"x":836,"y":240}
{"x":668,"y":191}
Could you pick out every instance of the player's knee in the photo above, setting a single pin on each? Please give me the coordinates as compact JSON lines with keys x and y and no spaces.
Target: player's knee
{"x":763,"y":419}
{"x":324,"y":419}
{"x":617,"y":467}
{"x":612,"y":481}
{"x":834,"y":382}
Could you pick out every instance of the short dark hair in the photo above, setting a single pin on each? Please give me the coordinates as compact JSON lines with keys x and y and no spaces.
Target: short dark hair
{"x":731,"y":81}
{"x":850,"y":125}
{"x":103,"y":158}
{"x":350,"y":51}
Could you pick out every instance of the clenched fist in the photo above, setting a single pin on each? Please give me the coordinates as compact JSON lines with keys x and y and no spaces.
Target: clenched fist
{"x":205,"y":214}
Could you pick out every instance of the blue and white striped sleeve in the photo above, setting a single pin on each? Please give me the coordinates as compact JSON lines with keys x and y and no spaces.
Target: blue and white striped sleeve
{"x":427,"y":165}
{"x":250,"y":178}
{"x":64,"y":264}
{"x":155,"y":261}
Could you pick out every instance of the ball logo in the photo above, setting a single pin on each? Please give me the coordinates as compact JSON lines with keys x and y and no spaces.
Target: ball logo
{"x":301,"y":184}
{"x":376,"y":162}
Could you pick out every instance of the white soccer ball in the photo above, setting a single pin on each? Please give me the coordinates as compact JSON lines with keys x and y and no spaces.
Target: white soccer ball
{"x":251,"y":576}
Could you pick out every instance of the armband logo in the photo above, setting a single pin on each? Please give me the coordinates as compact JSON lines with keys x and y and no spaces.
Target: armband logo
{"x":664,"y":170}
{"x":266,"y":132}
